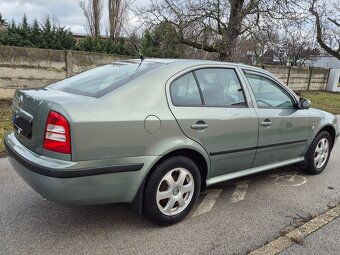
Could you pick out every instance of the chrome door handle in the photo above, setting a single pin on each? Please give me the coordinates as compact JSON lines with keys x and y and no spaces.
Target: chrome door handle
{"x":199,"y":125}
{"x":266,"y":123}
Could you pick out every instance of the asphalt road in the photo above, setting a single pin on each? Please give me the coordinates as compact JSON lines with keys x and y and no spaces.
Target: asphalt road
{"x":30,"y":225}
{"x":324,"y":241}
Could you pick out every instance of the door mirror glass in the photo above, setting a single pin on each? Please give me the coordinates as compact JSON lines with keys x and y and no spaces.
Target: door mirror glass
{"x":304,"y":103}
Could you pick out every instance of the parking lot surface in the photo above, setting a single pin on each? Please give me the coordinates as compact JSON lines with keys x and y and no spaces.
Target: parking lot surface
{"x":230,"y":218}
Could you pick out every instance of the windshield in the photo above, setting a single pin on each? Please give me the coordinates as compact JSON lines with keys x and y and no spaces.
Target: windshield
{"x":101,"y":80}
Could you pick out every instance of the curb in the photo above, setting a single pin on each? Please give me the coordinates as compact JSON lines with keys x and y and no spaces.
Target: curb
{"x":297,"y":235}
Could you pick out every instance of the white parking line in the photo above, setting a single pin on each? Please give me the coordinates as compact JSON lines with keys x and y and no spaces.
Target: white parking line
{"x":240,"y":191}
{"x":213,"y":194}
{"x":208,"y":202}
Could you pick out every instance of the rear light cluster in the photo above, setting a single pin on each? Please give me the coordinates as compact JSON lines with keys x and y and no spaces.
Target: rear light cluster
{"x":57,"y":134}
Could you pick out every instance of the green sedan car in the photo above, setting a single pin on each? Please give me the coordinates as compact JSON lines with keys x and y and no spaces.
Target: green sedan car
{"x":156,"y":132}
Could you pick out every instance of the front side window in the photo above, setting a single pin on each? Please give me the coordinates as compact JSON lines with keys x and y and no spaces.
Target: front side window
{"x":220,"y":87}
{"x":269,"y":94}
{"x":184,"y":91}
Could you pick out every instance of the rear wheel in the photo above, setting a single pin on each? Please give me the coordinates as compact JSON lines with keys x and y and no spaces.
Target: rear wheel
{"x":172,"y":190}
{"x":318,"y":153}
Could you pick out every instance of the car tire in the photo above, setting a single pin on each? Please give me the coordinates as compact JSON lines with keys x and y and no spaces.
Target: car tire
{"x":318,"y":154}
{"x":171,"y":191}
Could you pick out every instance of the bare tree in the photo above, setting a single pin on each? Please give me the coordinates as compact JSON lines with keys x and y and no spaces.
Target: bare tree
{"x":280,"y":41}
{"x":215,"y":25}
{"x":293,"y":44}
{"x":93,"y":12}
{"x":327,"y":22}
{"x":117,"y":11}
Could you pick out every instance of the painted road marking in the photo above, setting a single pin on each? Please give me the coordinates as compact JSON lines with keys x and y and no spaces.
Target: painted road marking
{"x":240,"y":191}
{"x":213,"y":194}
{"x":292,"y":179}
{"x":208,"y":202}
{"x":280,"y":173}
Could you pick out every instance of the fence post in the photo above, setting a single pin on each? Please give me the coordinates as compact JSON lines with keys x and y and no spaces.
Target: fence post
{"x":310,"y":77}
{"x":68,"y":63}
{"x":329,"y":72}
{"x":288,"y":76}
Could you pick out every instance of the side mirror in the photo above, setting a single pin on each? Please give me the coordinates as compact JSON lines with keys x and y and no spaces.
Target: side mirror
{"x":304,"y":103}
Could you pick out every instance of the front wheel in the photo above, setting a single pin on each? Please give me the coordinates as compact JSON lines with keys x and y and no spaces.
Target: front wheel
{"x":319,"y":153}
{"x":172,"y":190}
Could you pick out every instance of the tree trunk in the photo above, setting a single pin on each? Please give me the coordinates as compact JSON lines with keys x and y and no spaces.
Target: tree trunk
{"x":232,"y":31}
{"x":96,"y":16}
{"x":115,"y":17}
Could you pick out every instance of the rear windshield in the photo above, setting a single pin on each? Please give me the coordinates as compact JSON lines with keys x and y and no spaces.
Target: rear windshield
{"x":101,"y":80}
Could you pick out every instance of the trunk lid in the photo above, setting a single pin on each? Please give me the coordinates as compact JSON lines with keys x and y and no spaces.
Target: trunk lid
{"x":31,"y":108}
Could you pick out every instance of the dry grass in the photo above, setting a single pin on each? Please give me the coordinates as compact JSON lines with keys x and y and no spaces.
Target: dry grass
{"x":327,"y":101}
{"x":5,"y":122}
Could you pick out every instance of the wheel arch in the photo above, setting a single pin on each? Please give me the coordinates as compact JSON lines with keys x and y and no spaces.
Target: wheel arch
{"x":330,"y":129}
{"x":194,"y":155}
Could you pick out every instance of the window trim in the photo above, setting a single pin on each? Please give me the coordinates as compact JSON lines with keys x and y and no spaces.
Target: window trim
{"x":288,"y":93}
{"x":200,"y":89}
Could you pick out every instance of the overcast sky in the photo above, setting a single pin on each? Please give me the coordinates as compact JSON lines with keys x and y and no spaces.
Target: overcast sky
{"x":68,"y":12}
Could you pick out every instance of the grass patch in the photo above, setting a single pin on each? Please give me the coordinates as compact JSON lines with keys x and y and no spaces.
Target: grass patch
{"x":327,"y":101}
{"x":5,"y":122}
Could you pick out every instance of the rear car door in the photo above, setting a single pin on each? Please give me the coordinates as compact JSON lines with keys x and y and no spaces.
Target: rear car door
{"x":211,"y":108}
{"x":283,"y":127}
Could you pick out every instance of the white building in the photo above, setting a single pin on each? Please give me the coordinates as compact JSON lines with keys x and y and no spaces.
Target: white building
{"x":324,"y":61}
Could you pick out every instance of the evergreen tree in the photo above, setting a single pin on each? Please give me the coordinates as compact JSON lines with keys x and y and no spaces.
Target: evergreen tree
{"x":24,"y":32}
{"x":3,"y":22}
{"x":47,"y":34}
{"x":35,"y":34}
{"x":50,"y":35}
{"x":162,"y":42}
{"x":56,"y":37}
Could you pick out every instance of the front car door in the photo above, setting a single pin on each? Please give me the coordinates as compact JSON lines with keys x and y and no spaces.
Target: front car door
{"x":283,"y":127}
{"x":211,"y":108}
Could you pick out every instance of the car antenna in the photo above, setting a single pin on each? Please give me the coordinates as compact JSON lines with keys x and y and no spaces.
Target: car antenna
{"x":141,"y":57}
{"x":134,"y":45}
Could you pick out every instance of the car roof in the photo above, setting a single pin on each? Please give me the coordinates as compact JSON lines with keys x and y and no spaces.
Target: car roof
{"x":191,"y":62}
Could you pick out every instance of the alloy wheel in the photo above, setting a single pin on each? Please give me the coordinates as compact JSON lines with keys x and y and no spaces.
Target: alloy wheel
{"x":321,"y":153}
{"x":175,"y":191}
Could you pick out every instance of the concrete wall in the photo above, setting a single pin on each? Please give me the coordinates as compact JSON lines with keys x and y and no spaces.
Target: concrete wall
{"x":301,"y":78}
{"x":31,"y":67}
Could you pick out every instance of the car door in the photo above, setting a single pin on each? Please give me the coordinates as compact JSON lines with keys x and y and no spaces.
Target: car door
{"x":211,"y":108}
{"x":283,"y":127}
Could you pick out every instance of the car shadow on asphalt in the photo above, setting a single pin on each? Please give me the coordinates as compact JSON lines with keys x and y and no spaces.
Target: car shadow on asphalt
{"x":41,"y":213}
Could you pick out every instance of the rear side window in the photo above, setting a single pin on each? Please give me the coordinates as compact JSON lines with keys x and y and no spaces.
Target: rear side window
{"x":184,"y":91}
{"x":220,"y":87}
{"x":101,"y":80}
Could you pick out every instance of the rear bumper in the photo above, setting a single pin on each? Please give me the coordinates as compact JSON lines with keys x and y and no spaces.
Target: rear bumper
{"x":79,"y":183}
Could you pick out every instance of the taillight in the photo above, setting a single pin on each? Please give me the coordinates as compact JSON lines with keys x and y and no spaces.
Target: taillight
{"x":57,"y":134}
